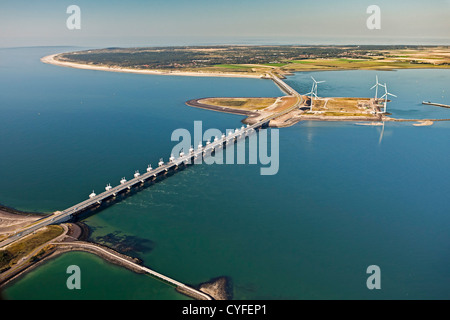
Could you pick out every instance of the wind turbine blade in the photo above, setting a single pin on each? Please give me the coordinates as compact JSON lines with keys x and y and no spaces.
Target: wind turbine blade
{"x":392,"y":95}
{"x":320,"y":81}
{"x":376,"y":77}
{"x":314,"y":79}
{"x":374,"y":86}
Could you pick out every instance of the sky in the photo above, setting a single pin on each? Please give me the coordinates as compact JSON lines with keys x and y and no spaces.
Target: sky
{"x":107,"y":23}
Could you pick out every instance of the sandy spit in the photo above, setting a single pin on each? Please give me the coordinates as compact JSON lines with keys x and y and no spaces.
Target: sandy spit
{"x":51,"y":60}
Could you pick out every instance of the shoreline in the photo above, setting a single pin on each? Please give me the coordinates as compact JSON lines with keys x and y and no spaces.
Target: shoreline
{"x":50,"y":59}
{"x":10,"y":210}
{"x":75,"y":238}
{"x":296,"y":118}
{"x":220,"y":288}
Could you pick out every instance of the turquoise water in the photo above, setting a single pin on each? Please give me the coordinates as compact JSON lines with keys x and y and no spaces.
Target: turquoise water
{"x":345,"y":197}
{"x":107,"y":286}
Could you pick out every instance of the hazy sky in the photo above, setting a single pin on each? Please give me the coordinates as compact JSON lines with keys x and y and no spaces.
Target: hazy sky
{"x":172,"y":22}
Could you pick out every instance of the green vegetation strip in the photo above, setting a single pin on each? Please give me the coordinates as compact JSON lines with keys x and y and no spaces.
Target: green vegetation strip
{"x":275,"y":64}
{"x":22,"y":248}
{"x":260,"y":59}
{"x":233,"y":66}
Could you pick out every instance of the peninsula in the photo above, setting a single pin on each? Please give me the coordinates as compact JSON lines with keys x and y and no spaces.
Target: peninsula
{"x":266,"y":62}
{"x":253,"y":61}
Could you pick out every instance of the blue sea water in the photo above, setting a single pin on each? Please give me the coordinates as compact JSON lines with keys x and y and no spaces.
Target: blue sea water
{"x":345,"y":197}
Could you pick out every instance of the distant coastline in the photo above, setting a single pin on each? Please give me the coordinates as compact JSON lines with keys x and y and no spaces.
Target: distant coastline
{"x":247,"y":61}
{"x":50,"y":59}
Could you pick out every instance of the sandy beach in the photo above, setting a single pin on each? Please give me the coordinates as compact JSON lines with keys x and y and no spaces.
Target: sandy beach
{"x":52,"y":60}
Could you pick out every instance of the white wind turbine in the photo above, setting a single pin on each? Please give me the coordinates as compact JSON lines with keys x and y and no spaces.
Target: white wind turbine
{"x":314,"y":90}
{"x":377,"y":84}
{"x":385,"y":96}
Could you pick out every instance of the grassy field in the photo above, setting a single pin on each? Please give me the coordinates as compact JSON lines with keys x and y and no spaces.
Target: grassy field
{"x":240,"y":103}
{"x":421,"y":57}
{"x":341,"y":64}
{"x":329,"y":106}
{"x":380,"y":60}
{"x":347,"y":104}
{"x":22,"y":248}
{"x":275,"y":64}
{"x":284,"y":103}
{"x":325,"y":65}
{"x":272,"y":105}
{"x":341,"y":106}
{"x":258,"y":60}
{"x":317,"y":104}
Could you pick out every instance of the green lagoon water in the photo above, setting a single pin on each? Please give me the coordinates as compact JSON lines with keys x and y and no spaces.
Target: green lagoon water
{"x":345,"y":196}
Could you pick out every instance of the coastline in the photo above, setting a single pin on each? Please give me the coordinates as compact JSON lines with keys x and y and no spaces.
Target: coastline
{"x":296,"y":116}
{"x":10,"y":210}
{"x":282,"y":73}
{"x":43,"y":253}
{"x":75,"y":238}
{"x":50,"y":59}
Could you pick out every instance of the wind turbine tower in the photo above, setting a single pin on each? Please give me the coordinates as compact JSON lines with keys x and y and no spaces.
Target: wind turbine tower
{"x":377,"y":84}
{"x":313,"y":91}
{"x":385,"y":96}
